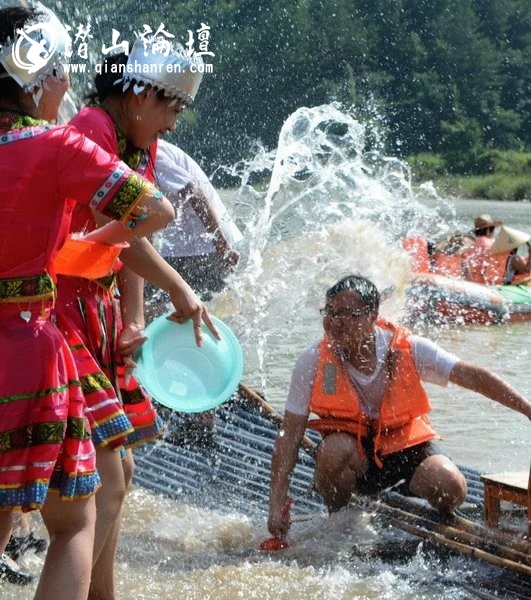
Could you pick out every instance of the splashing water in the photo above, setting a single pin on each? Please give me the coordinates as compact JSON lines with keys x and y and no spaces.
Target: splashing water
{"x":331,"y":208}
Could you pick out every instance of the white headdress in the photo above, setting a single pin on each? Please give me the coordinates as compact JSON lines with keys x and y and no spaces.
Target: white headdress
{"x":168,"y":68}
{"x":39,"y":49}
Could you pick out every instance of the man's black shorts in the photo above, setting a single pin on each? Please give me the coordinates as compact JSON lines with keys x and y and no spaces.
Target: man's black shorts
{"x":396,"y":467}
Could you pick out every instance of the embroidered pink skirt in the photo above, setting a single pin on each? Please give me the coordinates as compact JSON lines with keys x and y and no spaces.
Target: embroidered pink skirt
{"x":45,"y":440}
{"x":94,"y":312}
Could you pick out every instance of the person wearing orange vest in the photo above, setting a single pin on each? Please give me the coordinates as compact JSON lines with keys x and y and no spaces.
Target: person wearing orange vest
{"x":363,"y":383}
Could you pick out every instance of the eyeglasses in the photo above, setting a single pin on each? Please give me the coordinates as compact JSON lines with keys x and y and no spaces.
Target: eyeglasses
{"x":330,"y":313}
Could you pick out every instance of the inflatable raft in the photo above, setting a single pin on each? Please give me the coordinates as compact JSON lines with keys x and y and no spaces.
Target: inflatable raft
{"x":439,"y":294}
{"x":445,"y":300}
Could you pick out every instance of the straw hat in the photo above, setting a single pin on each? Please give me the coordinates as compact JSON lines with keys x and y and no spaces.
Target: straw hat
{"x":508,"y":239}
{"x":484,"y":221}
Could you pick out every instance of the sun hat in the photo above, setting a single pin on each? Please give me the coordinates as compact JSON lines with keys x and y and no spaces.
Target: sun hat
{"x":508,"y":239}
{"x":484,"y":221}
{"x":180,"y":375}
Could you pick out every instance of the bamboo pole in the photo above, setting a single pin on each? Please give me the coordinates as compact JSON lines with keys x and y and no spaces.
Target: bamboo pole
{"x":271,"y":414}
{"x":453,"y":534}
{"x":462,"y":548}
{"x":477,"y":529}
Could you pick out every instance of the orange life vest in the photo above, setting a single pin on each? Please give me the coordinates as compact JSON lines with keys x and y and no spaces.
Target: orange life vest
{"x":449,"y":265}
{"x":417,"y":248}
{"x":402,"y":422}
{"x":488,"y":269}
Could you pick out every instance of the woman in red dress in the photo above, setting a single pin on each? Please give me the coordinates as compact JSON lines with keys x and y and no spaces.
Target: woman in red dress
{"x":47,"y":457}
{"x":126,"y":118}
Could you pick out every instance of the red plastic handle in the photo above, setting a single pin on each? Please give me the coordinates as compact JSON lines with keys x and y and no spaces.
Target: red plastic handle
{"x":275,"y":543}
{"x":272,"y":544}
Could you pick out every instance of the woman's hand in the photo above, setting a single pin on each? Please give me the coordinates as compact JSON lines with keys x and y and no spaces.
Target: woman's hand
{"x":188,"y":306}
{"x":129,"y":341}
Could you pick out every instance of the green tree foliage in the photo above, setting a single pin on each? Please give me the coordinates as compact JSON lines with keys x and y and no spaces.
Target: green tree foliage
{"x":446,"y":76}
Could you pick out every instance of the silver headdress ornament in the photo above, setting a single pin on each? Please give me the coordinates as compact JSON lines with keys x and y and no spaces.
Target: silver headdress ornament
{"x":39,"y":49}
{"x":167,"y":68}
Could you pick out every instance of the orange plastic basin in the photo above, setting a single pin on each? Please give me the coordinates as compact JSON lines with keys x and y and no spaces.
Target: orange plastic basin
{"x":84,"y":258}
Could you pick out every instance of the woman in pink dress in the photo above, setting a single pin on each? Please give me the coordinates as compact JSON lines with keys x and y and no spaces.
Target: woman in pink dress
{"x":126,"y":118}
{"x":47,"y":457}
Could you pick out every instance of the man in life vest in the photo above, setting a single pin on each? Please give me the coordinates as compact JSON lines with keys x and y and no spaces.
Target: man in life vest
{"x":362,"y":382}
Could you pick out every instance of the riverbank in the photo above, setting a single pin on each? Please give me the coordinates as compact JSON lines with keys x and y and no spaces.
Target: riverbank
{"x":497,"y":175}
{"x":486,"y":187}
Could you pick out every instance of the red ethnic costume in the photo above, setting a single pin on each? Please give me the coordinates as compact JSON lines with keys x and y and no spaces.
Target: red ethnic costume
{"x":92,"y":306}
{"x":46,"y":383}
{"x":402,"y":422}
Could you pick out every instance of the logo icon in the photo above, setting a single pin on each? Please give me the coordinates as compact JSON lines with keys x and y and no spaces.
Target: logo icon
{"x":32,"y":53}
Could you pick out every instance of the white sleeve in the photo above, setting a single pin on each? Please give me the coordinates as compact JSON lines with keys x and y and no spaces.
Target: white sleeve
{"x":175,"y":169}
{"x":171,"y":166}
{"x":433,"y":364}
{"x":302,"y":380}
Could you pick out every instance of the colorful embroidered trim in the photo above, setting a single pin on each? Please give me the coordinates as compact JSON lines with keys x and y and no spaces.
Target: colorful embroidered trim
{"x":125,"y":201}
{"x":76,"y":427}
{"x":33,"y":495}
{"x":20,"y":127}
{"x":108,"y":188}
{"x":14,"y":120}
{"x":23,"y":134}
{"x":39,"y":394}
{"x":133,"y":157}
{"x":32,"y":435}
{"x":108,"y":282}
{"x":27,"y":289}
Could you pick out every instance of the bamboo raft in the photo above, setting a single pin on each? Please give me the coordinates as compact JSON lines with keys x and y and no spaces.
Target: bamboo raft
{"x":229,"y":469}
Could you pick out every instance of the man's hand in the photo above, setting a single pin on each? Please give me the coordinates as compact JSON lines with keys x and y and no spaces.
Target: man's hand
{"x":279,"y":522}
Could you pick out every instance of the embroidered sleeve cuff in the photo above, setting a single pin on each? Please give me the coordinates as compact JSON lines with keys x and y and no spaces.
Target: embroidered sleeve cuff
{"x":120,"y":196}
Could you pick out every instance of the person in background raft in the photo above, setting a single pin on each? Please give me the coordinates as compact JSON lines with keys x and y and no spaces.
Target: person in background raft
{"x":47,"y":456}
{"x":477,"y":264}
{"x":516,"y":269}
{"x":484,"y":227}
{"x":126,"y":118}
{"x":201,"y":243}
{"x":363,"y":380}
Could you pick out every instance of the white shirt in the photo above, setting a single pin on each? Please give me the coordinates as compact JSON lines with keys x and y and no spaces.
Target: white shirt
{"x":187,"y":236}
{"x":433,"y":365}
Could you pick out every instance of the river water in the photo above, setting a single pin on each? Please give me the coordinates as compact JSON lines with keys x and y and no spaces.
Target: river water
{"x":331,"y":209}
